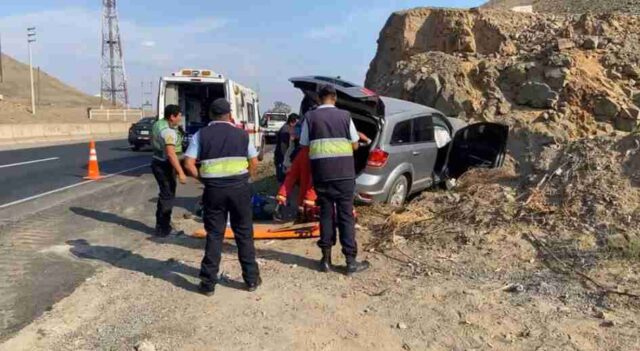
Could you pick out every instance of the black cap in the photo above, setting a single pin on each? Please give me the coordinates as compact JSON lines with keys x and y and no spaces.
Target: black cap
{"x":326,"y":90}
{"x":220,"y":107}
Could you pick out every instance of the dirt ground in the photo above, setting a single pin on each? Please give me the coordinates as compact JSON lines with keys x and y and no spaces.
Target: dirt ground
{"x":492,"y":294}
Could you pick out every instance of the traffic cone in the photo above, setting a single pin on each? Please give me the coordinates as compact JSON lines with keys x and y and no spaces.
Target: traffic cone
{"x":93,"y":168}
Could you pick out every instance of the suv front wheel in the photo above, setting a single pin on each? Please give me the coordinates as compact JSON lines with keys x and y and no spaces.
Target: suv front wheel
{"x":398,"y":192}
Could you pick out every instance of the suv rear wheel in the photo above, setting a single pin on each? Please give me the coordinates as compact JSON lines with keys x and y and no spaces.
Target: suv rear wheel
{"x":398,"y":192}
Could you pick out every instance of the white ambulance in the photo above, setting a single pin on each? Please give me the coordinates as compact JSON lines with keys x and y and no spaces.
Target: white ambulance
{"x":195,"y":89}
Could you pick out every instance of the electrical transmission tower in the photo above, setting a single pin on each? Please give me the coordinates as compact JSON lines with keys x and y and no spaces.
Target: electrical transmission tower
{"x":114,"y":78}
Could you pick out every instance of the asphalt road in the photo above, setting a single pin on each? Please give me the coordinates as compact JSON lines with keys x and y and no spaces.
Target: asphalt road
{"x":27,"y":173}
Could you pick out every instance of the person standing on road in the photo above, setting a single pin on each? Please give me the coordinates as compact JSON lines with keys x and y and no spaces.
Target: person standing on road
{"x":227,"y":161}
{"x":167,"y":150}
{"x":332,"y":137}
{"x":283,"y":141}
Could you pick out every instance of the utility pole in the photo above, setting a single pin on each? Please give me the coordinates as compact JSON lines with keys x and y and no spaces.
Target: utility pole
{"x":38,"y":89}
{"x":113,"y":82}
{"x":31,"y":38}
{"x":142,"y":96}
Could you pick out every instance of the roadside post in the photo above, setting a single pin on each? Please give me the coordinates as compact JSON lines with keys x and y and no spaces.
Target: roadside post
{"x":31,"y":38}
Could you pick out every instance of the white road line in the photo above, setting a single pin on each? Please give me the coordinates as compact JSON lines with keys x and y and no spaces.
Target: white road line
{"x":17,"y":202}
{"x":29,"y":162}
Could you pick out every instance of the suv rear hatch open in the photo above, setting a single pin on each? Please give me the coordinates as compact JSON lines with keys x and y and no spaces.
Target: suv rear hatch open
{"x":366,"y":107}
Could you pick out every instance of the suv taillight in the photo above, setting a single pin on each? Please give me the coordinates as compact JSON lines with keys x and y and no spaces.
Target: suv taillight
{"x":377,"y":158}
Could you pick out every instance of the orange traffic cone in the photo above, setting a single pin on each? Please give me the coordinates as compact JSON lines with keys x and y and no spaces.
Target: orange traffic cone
{"x":93,"y":169}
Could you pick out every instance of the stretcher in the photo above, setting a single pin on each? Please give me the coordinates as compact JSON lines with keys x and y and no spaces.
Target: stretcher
{"x":274,"y":231}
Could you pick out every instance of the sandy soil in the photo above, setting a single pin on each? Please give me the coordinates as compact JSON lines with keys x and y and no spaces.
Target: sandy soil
{"x":149,"y":295}
{"x":417,"y":296}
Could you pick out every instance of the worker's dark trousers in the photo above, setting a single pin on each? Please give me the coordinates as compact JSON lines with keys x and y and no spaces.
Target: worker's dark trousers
{"x":280,"y":173}
{"x":337,"y":195}
{"x":219,"y":204}
{"x":166,"y":177}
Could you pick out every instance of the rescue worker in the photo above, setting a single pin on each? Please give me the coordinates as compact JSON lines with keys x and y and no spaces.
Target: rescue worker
{"x":167,"y":150}
{"x":300,"y":173}
{"x":283,"y":142}
{"x":332,"y":138}
{"x":294,"y":145}
{"x":227,"y":161}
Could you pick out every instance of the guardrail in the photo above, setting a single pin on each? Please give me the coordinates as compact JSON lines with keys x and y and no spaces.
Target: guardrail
{"x":115,"y":115}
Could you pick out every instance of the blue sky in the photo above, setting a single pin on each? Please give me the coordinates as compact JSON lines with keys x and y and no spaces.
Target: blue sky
{"x":257,"y":43}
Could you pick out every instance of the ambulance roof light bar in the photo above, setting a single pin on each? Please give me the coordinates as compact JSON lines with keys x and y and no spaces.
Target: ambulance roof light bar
{"x":187,"y":72}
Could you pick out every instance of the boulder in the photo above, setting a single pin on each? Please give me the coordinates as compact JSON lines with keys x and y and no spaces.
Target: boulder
{"x":557,"y":77}
{"x":631,"y":71}
{"x":606,"y":109}
{"x":428,"y":90}
{"x":635,"y":96}
{"x":536,"y":95}
{"x":613,"y":74}
{"x":145,"y":345}
{"x":565,"y":44}
{"x":449,"y":103}
{"x":560,"y":60}
{"x":590,"y":43}
{"x":627,"y":120}
{"x":516,"y":74}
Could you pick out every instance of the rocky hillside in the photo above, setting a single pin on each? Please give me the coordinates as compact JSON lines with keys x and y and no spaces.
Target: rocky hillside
{"x":568,"y":87}
{"x":563,"y":76}
{"x":571,"y":6}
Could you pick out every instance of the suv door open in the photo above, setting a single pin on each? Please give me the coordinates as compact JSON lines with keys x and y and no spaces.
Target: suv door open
{"x":480,"y":145}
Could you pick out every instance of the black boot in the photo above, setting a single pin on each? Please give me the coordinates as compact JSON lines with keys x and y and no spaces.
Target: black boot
{"x":325,"y":262}
{"x":207,"y":289}
{"x":354,"y":266}
{"x":253,"y":286}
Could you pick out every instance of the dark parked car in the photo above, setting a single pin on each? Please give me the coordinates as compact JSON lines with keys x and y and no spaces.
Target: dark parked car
{"x":140,"y":133}
{"x":413,"y":147}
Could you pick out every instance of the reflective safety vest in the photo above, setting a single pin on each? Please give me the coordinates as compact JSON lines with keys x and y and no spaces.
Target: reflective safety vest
{"x":223,"y":155}
{"x":224,"y":167}
{"x":158,"y":141}
{"x":330,"y":148}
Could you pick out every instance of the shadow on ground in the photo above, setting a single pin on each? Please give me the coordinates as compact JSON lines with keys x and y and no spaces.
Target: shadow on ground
{"x":168,"y":270}
{"x":267,"y":254}
{"x":187,"y":203}
{"x":113,"y":219}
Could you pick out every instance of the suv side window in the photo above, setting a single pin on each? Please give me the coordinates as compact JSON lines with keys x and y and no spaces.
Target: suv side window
{"x":423,"y":130}
{"x":401,"y":133}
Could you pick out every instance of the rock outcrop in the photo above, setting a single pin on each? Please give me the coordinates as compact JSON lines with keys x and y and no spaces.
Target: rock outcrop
{"x":581,"y":70}
{"x":570,"y":6}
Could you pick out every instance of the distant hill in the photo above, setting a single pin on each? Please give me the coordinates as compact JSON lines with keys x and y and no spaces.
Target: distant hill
{"x":57,"y":103}
{"x":52,"y":92}
{"x":571,"y":6}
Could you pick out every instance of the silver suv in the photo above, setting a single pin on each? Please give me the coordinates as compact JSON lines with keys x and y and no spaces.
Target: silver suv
{"x":413,"y":147}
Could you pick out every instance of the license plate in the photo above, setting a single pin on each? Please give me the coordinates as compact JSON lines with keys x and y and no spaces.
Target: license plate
{"x":144,"y":132}
{"x":143,"y":138}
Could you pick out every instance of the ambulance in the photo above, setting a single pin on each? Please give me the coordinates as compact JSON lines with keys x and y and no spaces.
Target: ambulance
{"x":195,"y":89}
